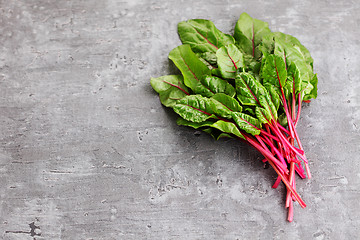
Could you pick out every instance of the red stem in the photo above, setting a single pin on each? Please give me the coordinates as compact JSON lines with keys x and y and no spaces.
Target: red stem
{"x":282,"y":128}
{"x":270,"y":158}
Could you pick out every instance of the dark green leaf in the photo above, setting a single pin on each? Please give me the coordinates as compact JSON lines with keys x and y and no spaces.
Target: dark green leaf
{"x":249,"y":33}
{"x":251,"y":65}
{"x":292,"y":54}
{"x":170,"y":88}
{"x":203,"y":36}
{"x":250,"y":110}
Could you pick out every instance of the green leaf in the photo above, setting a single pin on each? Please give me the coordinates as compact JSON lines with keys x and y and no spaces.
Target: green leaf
{"x":251,"y":64}
{"x":206,"y":63}
{"x":224,"y":105}
{"x":203,"y":36}
{"x":194,"y":108}
{"x":283,"y":42}
{"x":225,"y":135}
{"x":267,"y":44}
{"x":250,"y":110}
{"x":251,"y":92}
{"x":216,"y":72}
{"x":229,"y":60}
{"x":170,"y":88}
{"x":263,"y":115}
{"x":283,"y":120}
{"x":182,"y":122}
{"x":247,"y":89}
{"x":274,"y":72}
{"x":313,"y":92}
{"x":227,"y":127}
{"x":295,"y":43}
{"x":247,"y":123}
{"x":268,"y":105}
{"x":292,"y":54}
{"x":191,"y":67}
{"x":295,"y":78}
{"x":306,"y":87}
{"x":275,"y":98}
{"x":216,"y":134}
{"x":248,"y":34}
{"x":209,"y":57}
{"x":228,"y":101}
{"x":215,"y":85}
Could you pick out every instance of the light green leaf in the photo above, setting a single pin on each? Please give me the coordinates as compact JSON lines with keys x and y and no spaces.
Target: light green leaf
{"x":292,"y":54}
{"x":209,"y":57}
{"x":295,"y":78}
{"x":227,"y":127}
{"x":313,"y":93}
{"x":248,"y":34}
{"x":247,"y":89}
{"x":251,"y":92}
{"x":191,"y":67}
{"x":223,"y":105}
{"x":247,"y":123}
{"x":203,"y":36}
{"x":262,"y":115}
{"x":283,"y":120}
{"x":170,"y":88}
{"x":228,"y":101}
{"x":275,"y":98}
{"x":182,"y":122}
{"x":295,"y":43}
{"x":216,"y":72}
{"x":229,"y":60}
{"x":194,"y":108}
{"x":216,"y":134}
{"x":215,"y":85}
{"x":274,"y":72}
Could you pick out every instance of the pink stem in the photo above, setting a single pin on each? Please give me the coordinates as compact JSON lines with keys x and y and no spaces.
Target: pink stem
{"x":277,"y":162}
{"x":277,"y":182}
{"x":283,"y":178}
{"x":282,"y":128}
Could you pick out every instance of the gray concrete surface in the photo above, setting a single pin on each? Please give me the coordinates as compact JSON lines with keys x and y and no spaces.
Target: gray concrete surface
{"x":88,"y":152}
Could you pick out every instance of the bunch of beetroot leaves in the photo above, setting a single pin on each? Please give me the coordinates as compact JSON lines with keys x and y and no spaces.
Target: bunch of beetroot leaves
{"x":248,"y":86}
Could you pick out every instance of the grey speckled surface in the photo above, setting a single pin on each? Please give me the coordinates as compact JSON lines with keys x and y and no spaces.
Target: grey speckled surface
{"x":88,"y":152}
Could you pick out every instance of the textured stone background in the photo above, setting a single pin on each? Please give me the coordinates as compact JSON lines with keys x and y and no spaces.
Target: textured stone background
{"x":88,"y":152}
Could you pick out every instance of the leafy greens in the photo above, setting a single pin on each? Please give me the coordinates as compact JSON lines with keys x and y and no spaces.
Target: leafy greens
{"x":248,"y":86}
